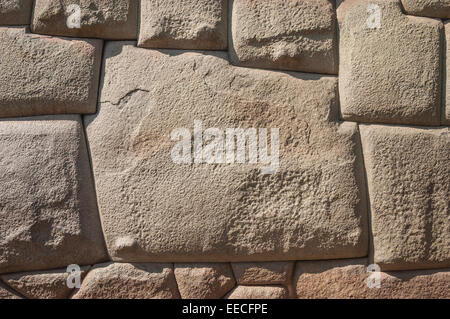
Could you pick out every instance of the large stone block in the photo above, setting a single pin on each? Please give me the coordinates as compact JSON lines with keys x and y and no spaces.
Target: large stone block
{"x":390,"y":64}
{"x":154,"y":209}
{"x":48,"y":284}
{"x":258,"y":292}
{"x":15,"y":12}
{"x":298,"y":35}
{"x":428,"y":8}
{"x":263,"y":273}
{"x":446,"y":106}
{"x":350,"y":279}
{"x":48,"y":212}
{"x":129,"y":281}
{"x":184,"y":24}
{"x":43,"y":75}
{"x":204,"y":280}
{"x":114,"y":20}
{"x":408,"y":173}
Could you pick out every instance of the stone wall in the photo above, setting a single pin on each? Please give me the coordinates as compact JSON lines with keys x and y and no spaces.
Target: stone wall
{"x":91,"y":92}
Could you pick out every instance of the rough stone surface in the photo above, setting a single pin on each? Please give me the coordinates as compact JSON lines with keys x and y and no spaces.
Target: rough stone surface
{"x":389,"y":72}
{"x":428,"y":8}
{"x":204,"y":281}
{"x":156,"y":210}
{"x":408,"y":174}
{"x":15,"y":12}
{"x":446,"y":112}
{"x":129,"y":281}
{"x":43,"y":75}
{"x":347,"y":279}
{"x":258,"y":292}
{"x":114,"y":20}
{"x":184,"y":24}
{"x":263,"y":273}
{"x":7,"y":293}
{"x":297,"y":35}
{"x":49,"y":284}
{"x":48,"y":213}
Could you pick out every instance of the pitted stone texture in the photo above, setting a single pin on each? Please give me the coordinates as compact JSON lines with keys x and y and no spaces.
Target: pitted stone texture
{"x":43,"y":75}
{"x":156,"y":210}
{"x":263,"y":273}
{"x":428,"y":8}
{"x":408,"y":173}
{"x":50,"y":284}
{"x":348,"y":279}
{"x":129,"y":281}
{"x":298,"y":35}
{"x":48,"y":215}
{"x":204,"y":281}
{"x":184,"y":24}
{"x":106,"y":19}
{"x":15,"y":12}
{"x":389,"y":72}
{"x":446,"y":112}
{"x":258,"y":292}
{"x":7,"y":293}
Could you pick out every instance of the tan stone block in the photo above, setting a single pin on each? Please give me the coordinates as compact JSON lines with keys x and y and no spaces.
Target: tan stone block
{"x":15,"y":12}
{"x":263,"y":273}
{"x":258,"y":292}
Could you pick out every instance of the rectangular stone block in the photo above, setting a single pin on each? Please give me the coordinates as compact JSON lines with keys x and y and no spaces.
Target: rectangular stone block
{"x":298,"y":35}
{"x":112,"y":20}
{"x":184,"y":24}
{"x":15,"y":12}
{"x":263,"y":273}
{"x":390,"y":64}
{"x":350,"y":279}
{"x":155,"y":208}
{"x":48,"y":213}
{"x":43,"y":75}
{"x":408,"y":173}
{"x":428,"y":8}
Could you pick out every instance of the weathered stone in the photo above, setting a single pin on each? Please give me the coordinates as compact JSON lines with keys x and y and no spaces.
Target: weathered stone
{"x":204,"y":281}
{"x":184,"y":24}
{"x":408,"y":173}
{"x":43,"y":75}
{"x":297,"y":35}
{"x":263,"y":273}
{"x":114,"y":20}
{"x":7,"y":293}
{"x":48,"y":213}
{"x":15,"y":12}
{"x":428,"y":8}
{"x":49,"y":284}
{"x":154,"y":209}
{"x":349,"y":279}
{"x":446,"y":112}
{"x":129,"y":281}
{"x":390,"y":64}
{"x":258,"y":292}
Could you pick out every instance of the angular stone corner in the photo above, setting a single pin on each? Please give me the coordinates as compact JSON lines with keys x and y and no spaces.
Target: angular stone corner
{"x":390,"y":64}
{"x":15,"y":12}
{"x":43,"y":75}
{"x":428,"y":8}
{"x":258,"y":292}
{"x":446,"y":106}
{"x":129,"y":281}
{"x":349,"y":279}
{"x":48,"y":215}
{"x":49,"y":284}
{"x":263,"y":273}
{"x":408,"y":173}
{"x":184,"y":24}
{"x":112,"y":20}
{"x":7,"y":293}
{"x":204,"y":281}
{"x":156,"y":210}
{"x":287,"y":35}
